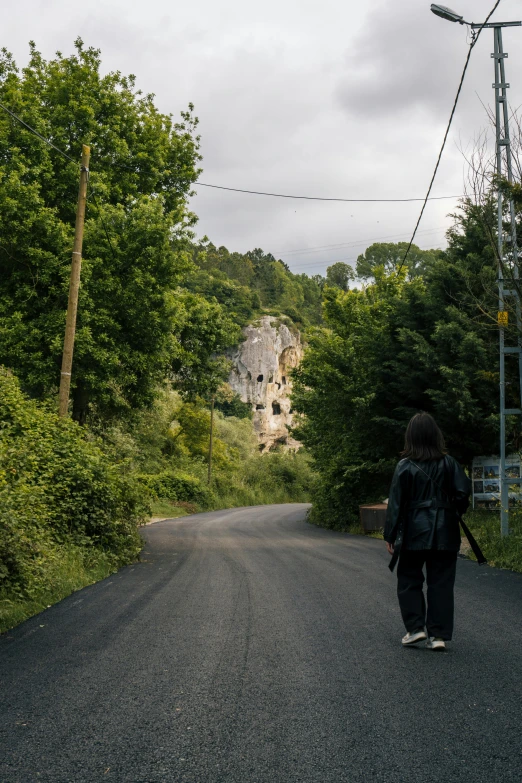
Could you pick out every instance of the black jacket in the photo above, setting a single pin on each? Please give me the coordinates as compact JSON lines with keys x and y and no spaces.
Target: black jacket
{"x":434,"y":525}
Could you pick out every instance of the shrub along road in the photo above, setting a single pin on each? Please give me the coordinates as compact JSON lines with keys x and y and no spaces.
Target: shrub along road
{"x":251,"y":647}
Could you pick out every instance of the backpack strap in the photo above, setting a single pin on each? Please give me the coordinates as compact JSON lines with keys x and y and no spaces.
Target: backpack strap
{"x":467,"y":532}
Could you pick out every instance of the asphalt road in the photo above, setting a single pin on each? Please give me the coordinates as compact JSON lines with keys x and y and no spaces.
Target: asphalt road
{"x":251,"y":647}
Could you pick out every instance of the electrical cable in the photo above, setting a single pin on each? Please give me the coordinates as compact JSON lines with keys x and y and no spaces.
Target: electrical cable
{"x":298,"y":266}
{"x":351,"y":244}
{"x":237,"y":190}
{"x":39,"y":135}
{"x":321,"y":198}
{"x":427,"y":197}
{"x":91,"y":189}
{"x":93,"y":193}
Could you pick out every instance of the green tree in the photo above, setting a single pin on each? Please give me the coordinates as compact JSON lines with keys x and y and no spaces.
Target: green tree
{"x":231,"y":404}
{"x":389,"y":256}
{"x":254,"y":282}
{"x":136,"y":234}
{"x":58,"y":490}
{"x":399,"y":346}
{"x":339,"y":275}
{"x":203,"y":331}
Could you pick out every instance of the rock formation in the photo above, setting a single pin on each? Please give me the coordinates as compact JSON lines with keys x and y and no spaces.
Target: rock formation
{"x":261,"y":376}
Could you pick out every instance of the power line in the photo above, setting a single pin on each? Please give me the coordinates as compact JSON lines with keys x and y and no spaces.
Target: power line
{"x":350,"y":244}
{"x":39,"y":135}
{"x":472,"y":44}
{"x":349,"y":247}
{"x":335,"y":261}
{"x":344,"y":260}
{"x":92,"y":190}
{"x":238,"y":190}
{"x":321,"y":198}
{"x":93,"y":193}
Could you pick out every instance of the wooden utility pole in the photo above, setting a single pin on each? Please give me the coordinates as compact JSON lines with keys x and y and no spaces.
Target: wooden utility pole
{"x":211,"y":439}
{"x":74,"y":286}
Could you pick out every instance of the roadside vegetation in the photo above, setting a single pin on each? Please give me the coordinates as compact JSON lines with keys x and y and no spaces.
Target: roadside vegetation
{"x":68,"y":513}
{"x":500,"y":551}
{"x":421,"y":337}
{"x":72,"y":498}
{"x":157,"y":311}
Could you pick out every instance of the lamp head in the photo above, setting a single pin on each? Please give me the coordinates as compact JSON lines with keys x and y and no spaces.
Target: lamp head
{"x":446,"y":13}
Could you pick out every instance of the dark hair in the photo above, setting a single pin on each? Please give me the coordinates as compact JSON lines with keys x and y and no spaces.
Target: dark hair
{"x":423,"y":439}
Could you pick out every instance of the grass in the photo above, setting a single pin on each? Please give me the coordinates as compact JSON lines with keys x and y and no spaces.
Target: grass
{"x":74,"y":569}
{"x":500,"y":552}
{"x":163,"y":507}
{"x":356,"y":529}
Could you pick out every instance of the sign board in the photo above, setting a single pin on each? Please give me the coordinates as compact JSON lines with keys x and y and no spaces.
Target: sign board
{"x":502,"y":318}
{"x":486,"y":482}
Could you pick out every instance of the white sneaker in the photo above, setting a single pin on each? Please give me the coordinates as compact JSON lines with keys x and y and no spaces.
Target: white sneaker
{"x":435,"y":644}
{"x":413,"y":638}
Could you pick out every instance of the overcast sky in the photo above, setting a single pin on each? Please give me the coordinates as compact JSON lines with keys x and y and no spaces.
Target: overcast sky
{"x":333,"y":99}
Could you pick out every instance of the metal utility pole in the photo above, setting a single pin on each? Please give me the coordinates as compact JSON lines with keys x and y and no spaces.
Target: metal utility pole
{"x":508,"y":259}
{"x":508,"y":253}
{"x":74,"y":287}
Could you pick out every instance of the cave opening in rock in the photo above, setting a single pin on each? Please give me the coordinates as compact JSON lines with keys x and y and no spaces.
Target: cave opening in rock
{"x":260,"y":379}
{"x":260,"y":407}
{"x":276,"y":409}
{"x":284,"y":380}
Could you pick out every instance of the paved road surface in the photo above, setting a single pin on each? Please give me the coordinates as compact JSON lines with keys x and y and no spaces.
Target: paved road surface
{"x":251,"y":647}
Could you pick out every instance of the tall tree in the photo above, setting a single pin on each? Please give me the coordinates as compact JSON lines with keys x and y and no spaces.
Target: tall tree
{"x":136,"y":233}
{"x":396,"y":347}
{"x":389,"y":256}
{"x":339,"y":275}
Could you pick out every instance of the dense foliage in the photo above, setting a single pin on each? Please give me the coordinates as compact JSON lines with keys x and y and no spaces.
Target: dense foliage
{"x":400,"y":344}
{"x":57,"y":488}
{"x":389,"y":256}
{"x":168,"y":447}
{"x":134,"y":327}
{"x":250,"y":283}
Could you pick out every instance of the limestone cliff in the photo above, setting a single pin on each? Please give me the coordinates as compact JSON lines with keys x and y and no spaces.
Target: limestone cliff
{"x":261,"y":376}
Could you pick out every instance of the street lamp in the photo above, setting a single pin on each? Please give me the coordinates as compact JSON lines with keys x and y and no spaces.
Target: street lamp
{"x":446,"y":13}
{"x":509,"y":258}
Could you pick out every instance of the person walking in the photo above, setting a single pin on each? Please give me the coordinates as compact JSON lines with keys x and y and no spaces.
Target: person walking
{"x":429,"y":493}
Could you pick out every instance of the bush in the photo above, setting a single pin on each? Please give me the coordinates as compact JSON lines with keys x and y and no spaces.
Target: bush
{"x":178,"y":486}
{"x":57,"y":488}
{"x":339,"y":493}
{"x":234,"y":406}
{"x":284,"y":477}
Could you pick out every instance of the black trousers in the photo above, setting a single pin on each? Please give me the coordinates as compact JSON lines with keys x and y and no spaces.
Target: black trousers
{"x":441,"y":567}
